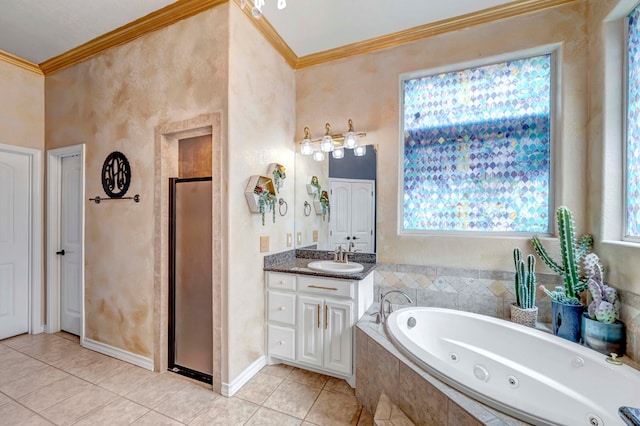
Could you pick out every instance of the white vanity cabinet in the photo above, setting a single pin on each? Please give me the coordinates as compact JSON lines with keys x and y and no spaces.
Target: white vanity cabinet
{"x":310,"y":321}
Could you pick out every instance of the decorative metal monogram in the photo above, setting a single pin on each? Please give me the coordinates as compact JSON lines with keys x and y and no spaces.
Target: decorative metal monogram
{"x":116,"y":175}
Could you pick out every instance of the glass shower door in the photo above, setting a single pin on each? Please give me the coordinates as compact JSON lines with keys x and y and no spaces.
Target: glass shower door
{"x":190,"y":275}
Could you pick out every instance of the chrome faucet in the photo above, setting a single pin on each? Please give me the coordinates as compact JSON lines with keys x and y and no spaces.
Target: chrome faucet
{"x":338,"y":254}
{"x":383,"y":299}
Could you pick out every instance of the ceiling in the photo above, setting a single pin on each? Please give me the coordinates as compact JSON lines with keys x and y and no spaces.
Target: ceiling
{"x":38,"y":30}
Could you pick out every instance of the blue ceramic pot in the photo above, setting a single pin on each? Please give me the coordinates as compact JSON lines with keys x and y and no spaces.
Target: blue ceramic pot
{"x":566,"y":320}
{"x":602,"y":337}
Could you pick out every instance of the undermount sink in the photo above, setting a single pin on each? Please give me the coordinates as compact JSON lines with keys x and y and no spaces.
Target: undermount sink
{"x":335,"y":267}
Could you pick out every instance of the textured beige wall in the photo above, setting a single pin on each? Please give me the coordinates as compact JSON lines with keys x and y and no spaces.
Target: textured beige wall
{"x":113,"y":102}
{"x":366,"y":88}
{"x":21,"y":107}
{"x":606,"y":140}
{"x":261,"y":129}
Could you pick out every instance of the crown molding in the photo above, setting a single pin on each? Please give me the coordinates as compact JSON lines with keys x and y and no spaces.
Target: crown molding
{"x":19,"y":62}
{"x":159,"y":19}
{"x":495,"y":13}
{"x":183,"y":9}
{"x":271,"y":35}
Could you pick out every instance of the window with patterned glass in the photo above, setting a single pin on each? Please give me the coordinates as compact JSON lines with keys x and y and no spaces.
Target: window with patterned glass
{"x":477,"y":148}
{"x":632,"y":190}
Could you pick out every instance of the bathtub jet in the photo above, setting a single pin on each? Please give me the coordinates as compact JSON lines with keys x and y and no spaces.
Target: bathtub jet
{"x":527,"y":373}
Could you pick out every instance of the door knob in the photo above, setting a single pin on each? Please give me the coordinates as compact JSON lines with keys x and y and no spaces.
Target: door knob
{"x":355,"y":238}
{"x":61,"y":252}
{"x":348,"y":238}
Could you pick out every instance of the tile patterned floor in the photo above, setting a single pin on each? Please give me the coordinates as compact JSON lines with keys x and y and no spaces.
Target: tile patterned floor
{"x":50,"y":379}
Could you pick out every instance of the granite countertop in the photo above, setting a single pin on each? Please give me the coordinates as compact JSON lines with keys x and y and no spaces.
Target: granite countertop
{"x":299,"y":266}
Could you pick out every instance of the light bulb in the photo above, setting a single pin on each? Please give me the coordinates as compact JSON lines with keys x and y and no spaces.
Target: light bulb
{"x":256,"y":12}
{"x":318,"y":155}
{"x":306,"y":148}
{"x":327,"y":144}
{"x":282,"y":4}
{"x":360,"y":150}
{"x":243,"y":3}
{"x":338,"y":153}
{"x":350,"y":140}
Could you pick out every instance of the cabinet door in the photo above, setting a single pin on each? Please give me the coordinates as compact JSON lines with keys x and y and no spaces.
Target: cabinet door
{"x":338,"y":339}
{"x":309,"y":330}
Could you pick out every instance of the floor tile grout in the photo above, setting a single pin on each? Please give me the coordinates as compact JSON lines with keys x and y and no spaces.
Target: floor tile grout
{"x":302,"y":377}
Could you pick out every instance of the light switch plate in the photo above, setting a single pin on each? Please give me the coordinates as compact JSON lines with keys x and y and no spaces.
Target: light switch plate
{"x":289,"y":239}
{"x":315,"y":235}
{"x":264,"y":243}
{"x":299,"y":238}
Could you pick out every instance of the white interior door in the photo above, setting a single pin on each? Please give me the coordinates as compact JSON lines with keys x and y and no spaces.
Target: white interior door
{"x":340,"y":222}
{"x":352,"y":214}
{"x":362,"y":215}
{"x":15,"y":192}
{"x":70,"y":251}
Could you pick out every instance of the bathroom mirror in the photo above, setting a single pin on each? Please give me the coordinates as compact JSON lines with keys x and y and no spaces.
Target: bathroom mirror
{"x":349,"y":218}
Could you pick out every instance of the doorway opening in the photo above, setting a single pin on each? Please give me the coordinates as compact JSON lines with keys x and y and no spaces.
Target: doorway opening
{"x":188,"y":149}
{"x":20,"y":241}
{"x":65,"y":240}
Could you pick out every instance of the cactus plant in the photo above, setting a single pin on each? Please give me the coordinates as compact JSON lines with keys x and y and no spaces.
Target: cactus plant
{"x":525,"y":280}
{"x":604,"y":306}
{"x":572,"y":253}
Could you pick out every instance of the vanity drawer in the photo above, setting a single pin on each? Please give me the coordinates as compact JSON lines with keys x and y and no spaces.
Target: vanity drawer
{"x":281,"y":342}
{"x":281,"y":307}
{"x":281,"y":281}
{"x":326,"y":287}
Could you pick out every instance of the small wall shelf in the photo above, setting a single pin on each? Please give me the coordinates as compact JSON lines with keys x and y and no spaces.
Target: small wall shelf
{"x":262,"y":182}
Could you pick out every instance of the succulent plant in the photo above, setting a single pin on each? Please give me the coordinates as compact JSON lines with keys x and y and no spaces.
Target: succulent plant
{"x":525,"y":280}
{"x":572,"y":253}
{"x":604,"y":306}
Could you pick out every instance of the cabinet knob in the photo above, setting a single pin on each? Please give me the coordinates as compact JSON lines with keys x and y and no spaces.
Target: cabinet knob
{"x":281,"y":308}
{"x":281,"y":342}
{"x":281,"y":282}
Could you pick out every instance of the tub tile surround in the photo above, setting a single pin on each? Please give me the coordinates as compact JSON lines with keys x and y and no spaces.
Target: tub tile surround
{"x":381,"y":368}
{"x":486,"y":292}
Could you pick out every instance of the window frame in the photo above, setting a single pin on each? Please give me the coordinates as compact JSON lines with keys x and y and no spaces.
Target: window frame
{"x":625,"y":122}
{"x":554,"y":51}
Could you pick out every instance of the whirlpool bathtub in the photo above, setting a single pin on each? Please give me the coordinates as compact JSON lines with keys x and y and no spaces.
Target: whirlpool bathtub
{"x":527,"y":373}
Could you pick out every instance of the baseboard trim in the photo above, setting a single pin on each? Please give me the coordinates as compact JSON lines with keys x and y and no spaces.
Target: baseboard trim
{"x":229,"y":389}
{"x":121,"y":354}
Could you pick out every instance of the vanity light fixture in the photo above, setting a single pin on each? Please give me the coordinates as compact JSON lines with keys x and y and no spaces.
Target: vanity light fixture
{"x":327,"y":141}
{"x":360,"y":150}
{"x":306,"y":148}
{"x":350,"y":138}
{"x":334,"y":143}
{"x":256,"y":10}
{"x":318,"y":155}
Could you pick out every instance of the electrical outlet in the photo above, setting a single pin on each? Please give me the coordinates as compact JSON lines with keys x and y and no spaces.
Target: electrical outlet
{"x":299,"y":238}
{"x":315,"y":235}
{"x":289,"y":239}
{"x":264,"y":243}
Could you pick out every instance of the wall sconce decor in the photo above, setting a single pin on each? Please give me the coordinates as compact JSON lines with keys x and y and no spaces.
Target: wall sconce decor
{"x":333,"y":143}
{"x":116,"y":178}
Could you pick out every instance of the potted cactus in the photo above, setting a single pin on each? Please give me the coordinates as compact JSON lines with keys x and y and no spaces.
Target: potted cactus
{"x":524,"y":310}
{"x":566,"y":306}
{"x":602,"y":329}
